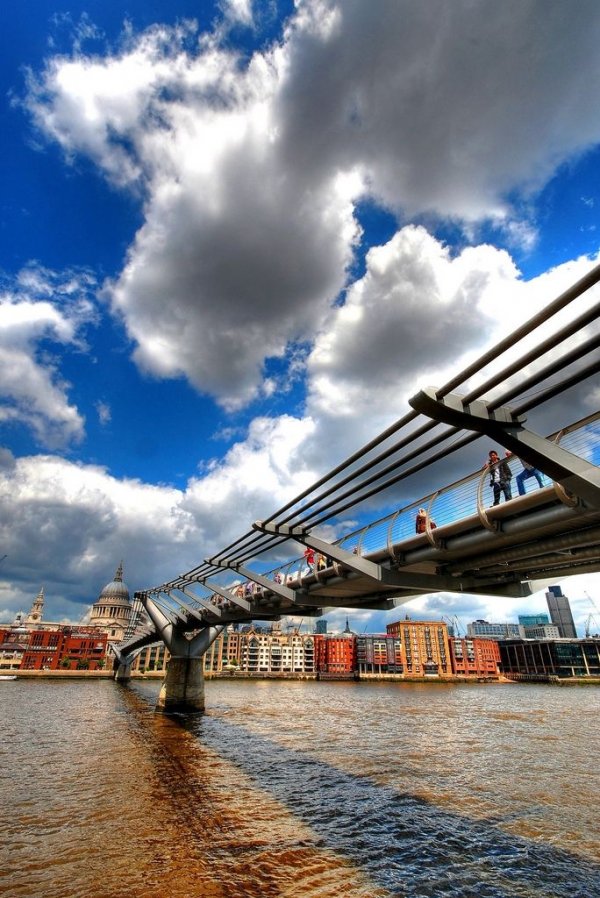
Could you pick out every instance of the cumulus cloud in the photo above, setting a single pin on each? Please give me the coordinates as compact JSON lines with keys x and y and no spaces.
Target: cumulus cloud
{"x":74,"y":521}
{"x":416,"y":309}
{"x":447,"y":108}
{"x":42,"y":310}
{"x":251,"y":172}
{"x":417,"y":317}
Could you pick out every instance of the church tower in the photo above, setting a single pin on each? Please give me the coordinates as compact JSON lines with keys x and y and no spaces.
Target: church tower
{"x":37,"y":610}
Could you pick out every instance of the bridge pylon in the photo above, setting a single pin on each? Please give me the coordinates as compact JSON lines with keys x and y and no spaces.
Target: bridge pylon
{"x":182,"y":690}
{"x":123,"y":664}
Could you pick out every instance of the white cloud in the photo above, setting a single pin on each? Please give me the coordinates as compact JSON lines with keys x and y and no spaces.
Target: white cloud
{"x":73,"y":522}
{"x":251,"y":172}
{"x":256,"y":476}
{"x":41,"y":308}
{"x":416,"y":310}
{"x":237,"y":11}
{"x":104,"y":412}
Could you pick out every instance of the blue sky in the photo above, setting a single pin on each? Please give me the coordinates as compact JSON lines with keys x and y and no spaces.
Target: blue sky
{"x":237,"y":236}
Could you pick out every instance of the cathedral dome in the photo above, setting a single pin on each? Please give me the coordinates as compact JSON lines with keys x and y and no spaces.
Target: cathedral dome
{"x":112,"y":610}
{"x":115,"y":592}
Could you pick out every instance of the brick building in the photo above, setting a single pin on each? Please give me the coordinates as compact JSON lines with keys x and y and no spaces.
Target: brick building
{"x":32,"y":643}
{"x":13,"y":642}
{"x":335,"y":655}
{"x":425,"y":650}
{"x":68,"y":648}
{"x":472,"y":657}
{"x":379,"y":654}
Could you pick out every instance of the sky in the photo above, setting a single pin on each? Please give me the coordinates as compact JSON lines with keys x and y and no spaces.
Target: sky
{"x":237,"y":236}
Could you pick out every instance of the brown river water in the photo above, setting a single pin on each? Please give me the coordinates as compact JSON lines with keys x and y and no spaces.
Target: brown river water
{"x":300,"y":790}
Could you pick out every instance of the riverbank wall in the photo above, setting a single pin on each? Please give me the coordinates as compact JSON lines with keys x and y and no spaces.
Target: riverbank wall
{"x":361,"y":678}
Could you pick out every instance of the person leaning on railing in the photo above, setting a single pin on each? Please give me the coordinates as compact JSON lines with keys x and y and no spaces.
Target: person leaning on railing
{"x":500,"y":476}
{"x":527,"y":472}
{"x":421,"y":522}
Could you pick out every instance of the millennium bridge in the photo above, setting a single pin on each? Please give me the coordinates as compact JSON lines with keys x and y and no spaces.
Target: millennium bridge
{"x":465,"y":543}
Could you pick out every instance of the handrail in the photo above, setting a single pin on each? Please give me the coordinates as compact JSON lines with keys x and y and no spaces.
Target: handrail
{"x":467,"y":490}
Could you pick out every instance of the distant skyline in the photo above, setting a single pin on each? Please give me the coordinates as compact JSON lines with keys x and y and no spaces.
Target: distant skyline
{"x":236,"y":237}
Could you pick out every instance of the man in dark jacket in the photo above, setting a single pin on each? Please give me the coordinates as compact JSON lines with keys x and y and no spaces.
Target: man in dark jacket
{"x":500,"y":476}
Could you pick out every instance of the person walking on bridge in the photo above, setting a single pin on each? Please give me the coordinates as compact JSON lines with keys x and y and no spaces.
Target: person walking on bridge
{"x":500,"y":476}
{"x":309,"y":556}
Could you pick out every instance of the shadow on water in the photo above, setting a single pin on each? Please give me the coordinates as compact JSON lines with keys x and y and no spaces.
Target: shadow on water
{"x":405,"y":844}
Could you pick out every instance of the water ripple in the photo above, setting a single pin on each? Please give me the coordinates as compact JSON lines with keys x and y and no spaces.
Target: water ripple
{"x":299,"y":791}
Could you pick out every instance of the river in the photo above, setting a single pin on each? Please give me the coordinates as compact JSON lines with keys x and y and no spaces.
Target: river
{"x":300,"y":790}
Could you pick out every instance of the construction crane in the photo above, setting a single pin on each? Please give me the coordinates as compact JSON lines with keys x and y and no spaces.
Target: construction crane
{"x":588,"y":625}
{"x":454,"y":626}
{"x":591,"y":618}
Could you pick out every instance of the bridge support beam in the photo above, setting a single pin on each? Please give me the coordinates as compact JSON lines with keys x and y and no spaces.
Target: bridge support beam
{"x":182,"y":691}
{"x":576,"y":475}
{"x":123,"y":671}
{"x":123,"y":664}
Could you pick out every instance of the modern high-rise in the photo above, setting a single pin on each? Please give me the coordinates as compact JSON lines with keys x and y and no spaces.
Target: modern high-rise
{"x":560,"y":612}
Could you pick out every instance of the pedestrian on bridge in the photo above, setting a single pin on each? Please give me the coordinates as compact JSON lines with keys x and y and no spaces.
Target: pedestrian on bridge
{"x":527,"y":472}
{"x":309,"y":556}
{"x":421,"y":521}
{"x":500,"y":476}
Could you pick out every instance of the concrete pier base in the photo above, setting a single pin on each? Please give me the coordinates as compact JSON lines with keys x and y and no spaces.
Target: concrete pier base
{"x":182,"y":690}
{"x":123,"y":672}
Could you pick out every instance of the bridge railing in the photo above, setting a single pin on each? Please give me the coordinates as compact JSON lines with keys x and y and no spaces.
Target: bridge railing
{"x":447,"y":505}
{"x":582,"y":438}
{"x":459,"y":501}
{"x":450,"y":509}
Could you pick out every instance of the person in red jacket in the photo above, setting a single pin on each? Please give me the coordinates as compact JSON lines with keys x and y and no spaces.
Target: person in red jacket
{"x":309,"y":557}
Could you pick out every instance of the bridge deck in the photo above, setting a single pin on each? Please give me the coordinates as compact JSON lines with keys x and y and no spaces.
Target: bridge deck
{"x":456,"y":554}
